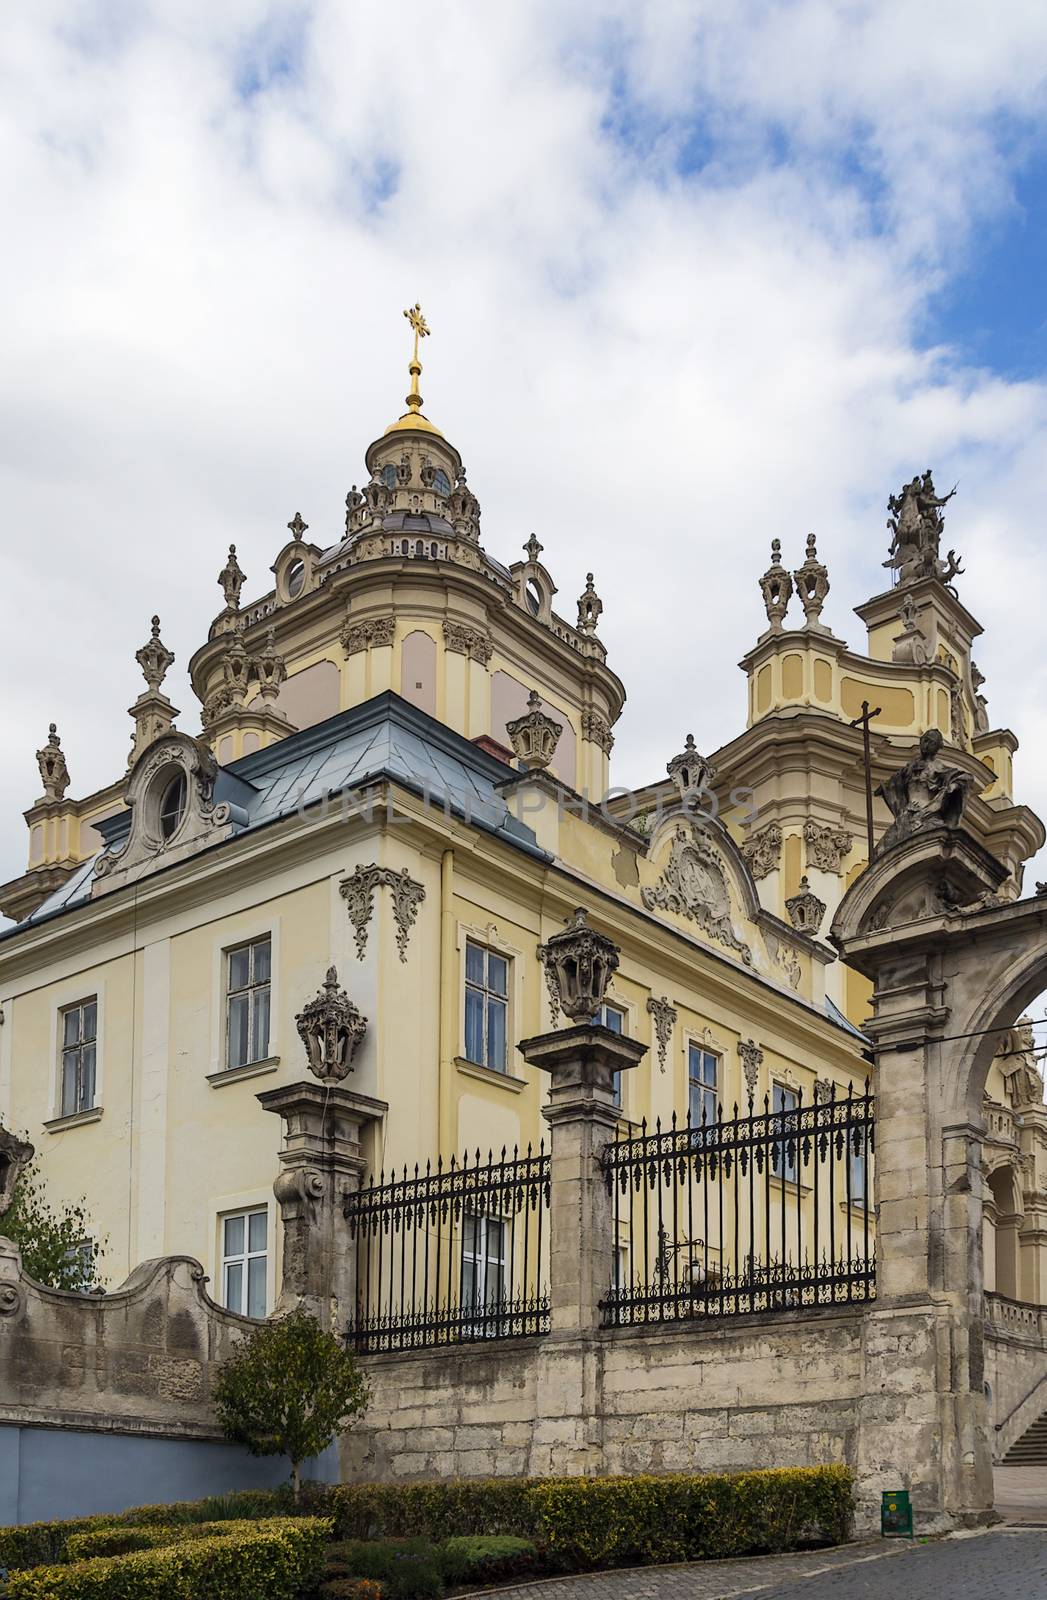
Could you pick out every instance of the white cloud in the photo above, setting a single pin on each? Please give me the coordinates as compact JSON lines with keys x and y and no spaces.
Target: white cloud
{"x":677,"y":259}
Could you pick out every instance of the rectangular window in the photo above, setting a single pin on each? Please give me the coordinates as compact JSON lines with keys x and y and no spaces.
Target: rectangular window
{"x":245,"y":1261}
{"x":79,"y":1045}
{"x":703,"y":1070}
{"x":783,"y":1101}
{"x":486,"y":1006}
{"x":614,"y":1018}
{"x":483,"y":1262}
{"x":248,"y":977}
{"x":857,"y":1160}
{"x":80,"y":1260}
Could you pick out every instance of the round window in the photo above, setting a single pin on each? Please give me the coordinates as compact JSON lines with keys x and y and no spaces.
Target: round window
{"x":533,"y":597}
{"x":295,"y":579}
{"x":172,"y":806}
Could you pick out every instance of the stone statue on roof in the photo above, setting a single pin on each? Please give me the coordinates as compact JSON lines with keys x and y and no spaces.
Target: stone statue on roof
{"x":916,"y":524}
{"x":926,"y":793}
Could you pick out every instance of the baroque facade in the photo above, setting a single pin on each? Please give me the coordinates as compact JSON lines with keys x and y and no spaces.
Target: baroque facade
{"x":365,"y":862}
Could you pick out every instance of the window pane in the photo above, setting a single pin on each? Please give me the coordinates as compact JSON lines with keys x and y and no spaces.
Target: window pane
{"x":238,"y":1014}
{"x":497,"y":974}
{"x":69,"y":1065}
{"x":239,"y":968}
{"x":468,"y":1281}
{"x":474,"y":1025}
{"x":495,"y":1239}
{"x":257,"y":1223}
{"x":614,"y":1019}
{"x":234,"y":1236}
{"x":260,"y":1023}
{"x":709,"y":1065}
{"x":616,"y":1087}
{"x":90,"y":1028}
{"x":87,"y":1077}
{"x":256,"y":1287}
{"x":496,"y":1010}
{"x":234,"y":1286}
{"x":474,"y":963}
{"x":71,"y":1026}
{"x":262,"y":960}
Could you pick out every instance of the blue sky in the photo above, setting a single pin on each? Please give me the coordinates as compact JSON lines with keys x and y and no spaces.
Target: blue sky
{"x":700,"y":273}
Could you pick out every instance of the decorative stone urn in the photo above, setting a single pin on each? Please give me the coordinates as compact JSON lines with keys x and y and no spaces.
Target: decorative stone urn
{"x":534,"y":736}
{"x":331,"y":1027}
{"x":690,"y":771}
{"x":579,"y":964}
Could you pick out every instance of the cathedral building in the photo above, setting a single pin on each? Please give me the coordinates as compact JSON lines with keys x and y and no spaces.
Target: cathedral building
{"x":399,"y":794}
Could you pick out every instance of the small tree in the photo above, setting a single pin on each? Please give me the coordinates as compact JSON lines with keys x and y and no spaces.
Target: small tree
{"x":288,"y":1390}
{"x":53,"y":1242}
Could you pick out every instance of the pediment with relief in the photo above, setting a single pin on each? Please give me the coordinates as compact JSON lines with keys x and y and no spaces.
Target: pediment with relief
{"x":694,"y":883}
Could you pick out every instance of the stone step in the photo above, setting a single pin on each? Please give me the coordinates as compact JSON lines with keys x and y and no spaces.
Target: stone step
{"x":1031,"y":1449}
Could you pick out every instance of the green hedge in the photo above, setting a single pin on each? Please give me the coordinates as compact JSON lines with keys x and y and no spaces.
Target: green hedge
{"x":264,"y":1560}
{"x":120,"y":1541}
{"x":597,"y":1522}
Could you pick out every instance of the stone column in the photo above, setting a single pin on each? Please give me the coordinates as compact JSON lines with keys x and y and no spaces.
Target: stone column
{"x":321,"y":1162}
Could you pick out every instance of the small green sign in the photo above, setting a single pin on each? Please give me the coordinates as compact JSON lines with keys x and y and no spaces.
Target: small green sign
{"x":896,"y":1514}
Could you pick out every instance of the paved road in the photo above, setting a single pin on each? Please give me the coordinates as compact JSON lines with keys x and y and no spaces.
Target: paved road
{"x":1008,"y":1560}
{"x":1021,"y":1494}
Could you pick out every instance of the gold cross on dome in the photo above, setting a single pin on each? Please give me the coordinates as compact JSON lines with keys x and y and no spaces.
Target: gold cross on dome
{"x":418,"y":323}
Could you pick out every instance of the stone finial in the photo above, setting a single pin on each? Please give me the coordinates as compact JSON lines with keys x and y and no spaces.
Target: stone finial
{"x":297,"y":527}
{"x":690,"y":772}
{"x":911,"y":645}
{"x":331,"y":1027}
{"x":533,"y":549}
{"x":15,"y":1155}
{"x":154,"y":658}
{"x":270,"y":668}
{"x":231,"y":580}
{"x":579,"y":965}
{"x":534,"y":736}
{"x":804,"y":909}
{"x":236,"y":668}
{"x":54,"y":772}
{"x":590,"y":607}
{"x":812,"y":585}
{"x":981,"y":705}
{"x":776,"y":585}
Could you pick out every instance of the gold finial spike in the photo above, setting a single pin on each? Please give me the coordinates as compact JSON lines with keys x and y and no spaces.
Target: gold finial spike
{"x":421,"y":331}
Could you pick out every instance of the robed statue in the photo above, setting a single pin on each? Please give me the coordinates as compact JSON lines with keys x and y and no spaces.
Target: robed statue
{"x":926,"y":793}
{"x":916,"y":525}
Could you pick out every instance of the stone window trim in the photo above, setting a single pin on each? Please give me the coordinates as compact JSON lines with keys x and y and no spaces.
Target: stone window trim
{"x":236,"y":1257}
{"x":238,"y":930}
{"x":499,"y":1080}
{"x":256,"y":979}
{"x":706,"y":1047}
{"x":487,"y":979}
{"x":703,"y":1039}
{"x":221,"y":1206}
{"x":250,"y":1069}
{"x":79,"y":1119}
{"x":73,"y":992}
{"x":488,"y":935}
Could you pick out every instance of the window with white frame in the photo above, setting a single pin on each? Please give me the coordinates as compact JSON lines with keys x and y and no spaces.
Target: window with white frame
{"x":486,"y":1006}
{"x":247,"y":997}
{"x":613,"y":1017}
{"x":245,"y":1261}
{"x":784,"y":1100}
{"x":483,"y":1261}
{"x":79,"y":1025}
{"x":79,"y":1265}
{"x":703,"y":1083}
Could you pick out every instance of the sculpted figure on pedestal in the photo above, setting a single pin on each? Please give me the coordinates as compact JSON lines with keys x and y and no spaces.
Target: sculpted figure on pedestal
{"x":926,"y":793}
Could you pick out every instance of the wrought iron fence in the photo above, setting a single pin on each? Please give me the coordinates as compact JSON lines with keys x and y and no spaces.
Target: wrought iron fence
{"x":452,"y":1254}
{"x":765,"y":1212}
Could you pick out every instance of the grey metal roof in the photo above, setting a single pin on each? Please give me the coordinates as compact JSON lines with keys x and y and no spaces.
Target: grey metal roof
{"x":834,"y":1014}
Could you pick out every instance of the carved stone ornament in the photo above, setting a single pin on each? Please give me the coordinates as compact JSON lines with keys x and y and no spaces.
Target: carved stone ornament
{"x":463,"y":640}
{"x":789,"y":962}
{"x":916,"y":526}
{"x":776,"y":586}
{"x":926,"y":793}
{"x":590,"y":607}
{"x":981,"y":707}
{"x":580,"y":963}
{"x":358,"y":891}
{"x":154,"y":658}
{"x":231,"y":581}
{"x":597,"y":729}
{"x":269,"y":667}
{"x":15,"y":1155}
{"x":812,"y":585}
{"x":330,"y":1027}
{"x":826,"y":846}
{"x":297,"y":527}
{"x":54,"y":773}
{"x":534,"y":736}
{"x":664,"y":1016}
{"x":824,"y":1089}
{"x":763,"y":850}
{"x":804,"y":909}
{"x":689,"y":771}
{"x":911,"y":645}
{"x":694,"y":885}
{"x":375,"y":633}
{"x":751,"y":1057}
{"x":236,"y":669}
{"x":532,"y":549}
{"x":553,"y":991}
{"x":170,"y":795}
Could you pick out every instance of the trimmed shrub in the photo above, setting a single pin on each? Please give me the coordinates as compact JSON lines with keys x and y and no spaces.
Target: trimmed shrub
{"x":436,"y":1511}
{"x":120,"y":1541}
{"x":491,"y":1559}
{"x":271,"y":1560}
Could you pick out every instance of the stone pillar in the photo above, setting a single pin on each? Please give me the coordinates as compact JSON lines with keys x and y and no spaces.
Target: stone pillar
{"x":321,"y":1162}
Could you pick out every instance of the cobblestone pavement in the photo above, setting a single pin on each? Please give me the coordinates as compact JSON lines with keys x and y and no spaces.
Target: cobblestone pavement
{"x":967,"y":1567}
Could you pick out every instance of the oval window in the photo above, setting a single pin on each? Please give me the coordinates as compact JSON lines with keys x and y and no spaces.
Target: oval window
{"x":295,"y":579}
{"x":533,"y":597}
{"x":172,"y":806}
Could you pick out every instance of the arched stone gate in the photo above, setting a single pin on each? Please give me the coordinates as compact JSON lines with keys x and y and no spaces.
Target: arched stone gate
{"x":952,"y":965}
